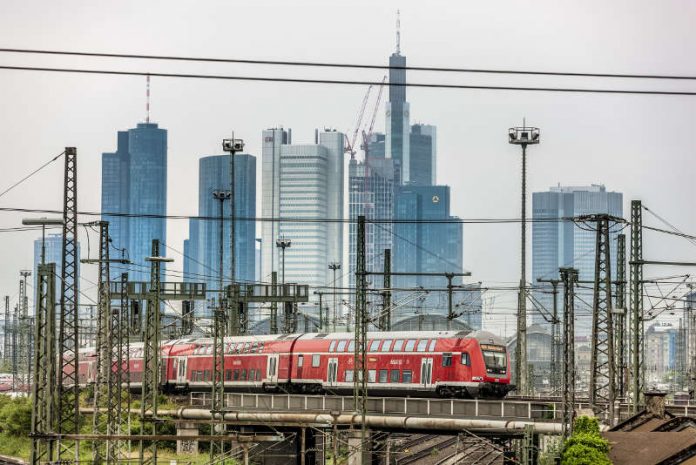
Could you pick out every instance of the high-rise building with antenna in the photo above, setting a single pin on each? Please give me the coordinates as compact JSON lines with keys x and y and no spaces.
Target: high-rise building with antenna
{"x":397,"y":144}
{"x":134,"y":181}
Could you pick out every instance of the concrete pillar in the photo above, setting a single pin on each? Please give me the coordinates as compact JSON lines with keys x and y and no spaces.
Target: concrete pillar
{"x":354,"y":447}
{"x":187,"y":446}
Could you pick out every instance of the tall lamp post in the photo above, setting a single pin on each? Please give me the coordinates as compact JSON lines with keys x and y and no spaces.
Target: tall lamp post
{"x":232,"y":146}
{"x":523,"y":136}
{"x":283,"y":244}
{"x":334,"y":266}
{"x":221,"y":196}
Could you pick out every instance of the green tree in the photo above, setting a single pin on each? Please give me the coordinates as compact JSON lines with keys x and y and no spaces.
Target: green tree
{"x":586,"y":445}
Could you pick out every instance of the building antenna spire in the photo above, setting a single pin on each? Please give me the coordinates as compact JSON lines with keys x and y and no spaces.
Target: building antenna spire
{"x":398,"y":32}
{"x":147,"y":102}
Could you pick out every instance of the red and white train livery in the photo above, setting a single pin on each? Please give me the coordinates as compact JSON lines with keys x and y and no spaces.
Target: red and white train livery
{"x":443,"y":363}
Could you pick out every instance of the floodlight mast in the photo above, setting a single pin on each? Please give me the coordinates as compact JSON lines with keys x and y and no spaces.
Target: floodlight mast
{"x":43,"y":222}
{"x":523,"y":136}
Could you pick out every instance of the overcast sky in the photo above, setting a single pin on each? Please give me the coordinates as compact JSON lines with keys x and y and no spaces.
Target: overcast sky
{"x":643,"y":146}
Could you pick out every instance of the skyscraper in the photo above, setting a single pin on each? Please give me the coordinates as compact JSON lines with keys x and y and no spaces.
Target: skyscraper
{"x":562,"y":243}
{"x":134,"y":181}
{"x":397,"y":143}
{"x":425,"y":246}
{"x":305,"y":182}
{"x":423,"y":155}
{"x":371,"y":194}
{"x":201,"y":263}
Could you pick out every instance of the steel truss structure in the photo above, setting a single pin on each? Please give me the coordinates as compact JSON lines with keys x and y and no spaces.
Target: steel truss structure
{"x":637,"y":323}
{"x":602,"y":389}
{"x":361,"y":322}
{"x":67,"y":402}
{"x":569,"y":277}
{"x":44,"y":386}
{"x":620,"y":313}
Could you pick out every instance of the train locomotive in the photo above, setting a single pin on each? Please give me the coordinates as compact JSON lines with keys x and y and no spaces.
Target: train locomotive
{"x":424,"y":363}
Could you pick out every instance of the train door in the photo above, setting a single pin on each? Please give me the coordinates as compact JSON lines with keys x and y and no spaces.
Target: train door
{"x":181,"y":370}
{"x":332,"y":372}
{"x":272,"y":368}
{"x":426,"y":372}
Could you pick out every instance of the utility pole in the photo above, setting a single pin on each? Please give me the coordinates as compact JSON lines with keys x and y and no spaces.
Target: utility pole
{"x":118,"y":395}
{"x":43,"y":415}
{"x":360,"y":354}
{"x":288,"y":317}
{"x":274,"y":305}
{"x":555,"y":337}
{"x":385,"y":325}
{"x":68,"y":401}
{"x":620,"y":312}
{"x":7,"y":335}
{"x":523,"y":136}
{"x":233,"y":146}
{"x":450,"y":309}
{"x":637,"y":323}
{"x":24,"y":345}
{"x":334,"y":266}
{"x":151,"y":347}
{"x":569,"y":277}
{"x":602,"y":365}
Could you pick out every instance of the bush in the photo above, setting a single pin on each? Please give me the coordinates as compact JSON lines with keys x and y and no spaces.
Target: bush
{"x":586,"y":446}
{"x":15,"y":416}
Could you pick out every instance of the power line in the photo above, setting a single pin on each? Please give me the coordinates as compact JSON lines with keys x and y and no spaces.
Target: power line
{"x":31,"y":174}
{"x":344,"y":81}
{"x":319,"y":64}
{"x":298,"y":219}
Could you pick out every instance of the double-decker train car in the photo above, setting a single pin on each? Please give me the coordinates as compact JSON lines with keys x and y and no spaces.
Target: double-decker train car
{"x":441,"y":363}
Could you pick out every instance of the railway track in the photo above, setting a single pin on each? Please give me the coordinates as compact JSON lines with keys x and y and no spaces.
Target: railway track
{"x":5,"y":460}
{"x":430,"y":452}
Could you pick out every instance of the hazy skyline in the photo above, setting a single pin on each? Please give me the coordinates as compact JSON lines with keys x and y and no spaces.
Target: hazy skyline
{"x":639,"y":145}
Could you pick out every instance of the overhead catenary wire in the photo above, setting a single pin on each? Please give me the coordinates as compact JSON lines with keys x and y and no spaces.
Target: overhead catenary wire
{"x":430,"y":85}
{"x":32,"y":173}
{"x":320,"y":64}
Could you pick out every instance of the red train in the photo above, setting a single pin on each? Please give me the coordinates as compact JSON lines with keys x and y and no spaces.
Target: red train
{"x":442,"y":363}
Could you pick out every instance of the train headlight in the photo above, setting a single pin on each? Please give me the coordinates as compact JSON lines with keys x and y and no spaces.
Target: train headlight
{"x":477,"y":378}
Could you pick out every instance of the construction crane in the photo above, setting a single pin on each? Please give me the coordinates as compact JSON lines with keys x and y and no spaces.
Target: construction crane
{"x":367,"y":134}
{"x":350,"y":143}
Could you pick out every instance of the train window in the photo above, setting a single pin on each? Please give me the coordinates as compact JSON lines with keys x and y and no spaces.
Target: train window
{"x":260,"y":347}
{"x":300,"y":361}
{"x":332,"y":346}
{"x":238,"y":348}
{"x":394,"y":376}
{"x":432,"y":346}
{"x":228,"y":375}
{"x":422,"y":345}
{"x":252,"y":374}
{"x":254,"y":347}
{"x":243,"y":378}
{"x":398,"y":345}
{"x":383,"y":376}
{"x":447,"y":360}
{"x":351,"y":346}
{"x":258,"y":375}
{"x":246,"y":347}
{"x":209,"y":350}
{"x":316,"y":360}
{"x":407,"y":376}
{"x":236,"y":375}
{"x":207,"y":374}
{"x":410,"y":344}
{"x":374,"y":347}
{"x":341,"y":346}
{"x":349,"y":376}
{"x":371,"y":376}
{"x":387,"y":345}
{"x":465,"y":359}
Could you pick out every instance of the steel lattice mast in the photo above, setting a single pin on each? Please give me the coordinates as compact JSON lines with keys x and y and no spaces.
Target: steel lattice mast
{"x":68,"y":342}
{"x":637,"y":324}
{"x":620,"y":323}
{"x":602,"y":365}
{"x":43,"y":414}
{"x":569,"y":277}
{"x":104,"y":346}
{"x":118,"y":375}
{"x":360,"y":355}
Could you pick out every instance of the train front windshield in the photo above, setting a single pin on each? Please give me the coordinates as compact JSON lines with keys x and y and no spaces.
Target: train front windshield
{"x":495,"y":358}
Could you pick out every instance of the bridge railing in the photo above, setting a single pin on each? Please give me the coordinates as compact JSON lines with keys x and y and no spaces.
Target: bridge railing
{"x":397,"y":406}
